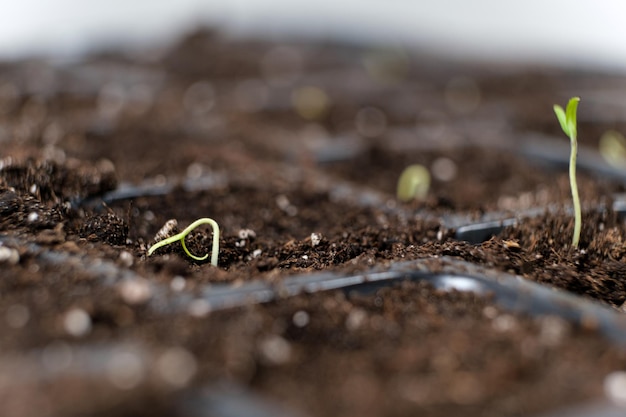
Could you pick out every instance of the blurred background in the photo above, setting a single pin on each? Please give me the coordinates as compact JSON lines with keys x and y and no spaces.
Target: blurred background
{"x":583,"y":33}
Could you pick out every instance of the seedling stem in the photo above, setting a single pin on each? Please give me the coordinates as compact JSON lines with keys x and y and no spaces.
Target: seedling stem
{"x":567,"y":119}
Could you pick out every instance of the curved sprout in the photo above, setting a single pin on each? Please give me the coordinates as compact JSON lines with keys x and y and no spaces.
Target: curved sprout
{"x":182,"y":235}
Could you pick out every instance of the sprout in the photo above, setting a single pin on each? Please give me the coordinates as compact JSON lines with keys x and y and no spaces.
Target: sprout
{"x":413,"y":183}
{"x":567,"y":119}
{"x":182,"y":235}
{"x":613,"y":148}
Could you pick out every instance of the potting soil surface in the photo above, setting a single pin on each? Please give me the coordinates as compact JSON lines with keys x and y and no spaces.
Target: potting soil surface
{"x":295,"y":150}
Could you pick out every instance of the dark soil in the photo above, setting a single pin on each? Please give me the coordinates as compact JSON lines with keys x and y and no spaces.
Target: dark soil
{"x":295,"y":150}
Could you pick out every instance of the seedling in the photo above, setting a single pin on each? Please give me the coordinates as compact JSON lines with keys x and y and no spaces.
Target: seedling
{"x":567,"y":119}
{"x":182,"y":235}
{"x":613,"y":148}
{"x":413,"y":183}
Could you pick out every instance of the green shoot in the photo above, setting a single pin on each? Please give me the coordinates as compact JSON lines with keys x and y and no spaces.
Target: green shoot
{"x":413,"y":183}
{"x":182,"y":235}
{"x":567,"y":119}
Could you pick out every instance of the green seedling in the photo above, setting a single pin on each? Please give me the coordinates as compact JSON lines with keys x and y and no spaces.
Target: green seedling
{"x":567,"y":119}
{"x":613,"y":148}
{"x":413,"y":183}
{"x":182,"y":235}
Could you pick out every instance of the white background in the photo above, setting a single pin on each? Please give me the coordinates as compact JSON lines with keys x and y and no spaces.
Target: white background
{"x":571,"y":32}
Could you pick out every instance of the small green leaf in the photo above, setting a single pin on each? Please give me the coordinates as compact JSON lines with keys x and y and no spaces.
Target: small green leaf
{"x":560,"y":114}
{"x":572,"y":106}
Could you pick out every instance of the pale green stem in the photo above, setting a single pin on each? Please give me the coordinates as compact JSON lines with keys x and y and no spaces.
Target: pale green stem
{"x":182,"y":235}
{"x":574,"y":186}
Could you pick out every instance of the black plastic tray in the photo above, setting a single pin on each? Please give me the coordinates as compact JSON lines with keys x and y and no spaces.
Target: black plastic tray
{"x":511,"y":292}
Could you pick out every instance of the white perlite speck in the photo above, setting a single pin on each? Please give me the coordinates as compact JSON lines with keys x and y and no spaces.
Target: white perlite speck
{"x":126,"y":258}
{"x":316,"y":238}
{"x":77,"y":322}
{"x":504,"y":323}
{"x":178,"y":283}
{"x":125,"y":370}
{"x":9,"y":255}
{"x":275,"y":350}
{"x":283,"y":203}
{"x":300,"y":318}
{"x":615,"y":387}
{"x":176,"y":367}
{"x":199,"y":308}
{"x":135,"y":291}
{"x":246,"y":234}
{"x":356,"y":318}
